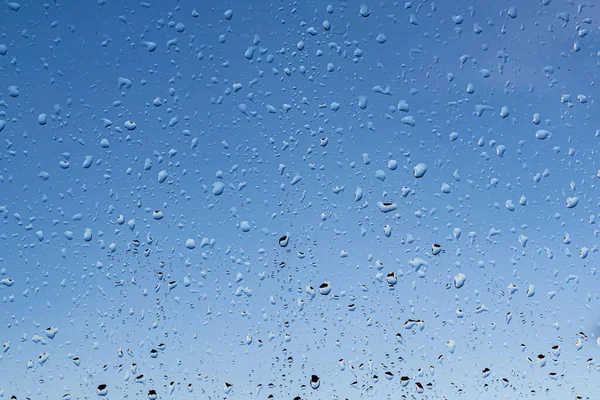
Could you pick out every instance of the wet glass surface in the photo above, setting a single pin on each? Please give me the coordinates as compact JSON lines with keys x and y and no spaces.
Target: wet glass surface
{"x":311,"y":200}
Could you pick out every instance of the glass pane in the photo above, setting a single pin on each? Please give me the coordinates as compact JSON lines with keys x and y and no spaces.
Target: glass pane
{"x":306,"y":200}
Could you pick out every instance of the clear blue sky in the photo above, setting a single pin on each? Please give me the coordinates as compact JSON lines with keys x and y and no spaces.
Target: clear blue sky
{"x":154,"y":154}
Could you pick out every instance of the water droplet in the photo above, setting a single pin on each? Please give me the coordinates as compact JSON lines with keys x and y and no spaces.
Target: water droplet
{"x":542,"y":134}
{"x":459,"y":280}
{"x":572,"y":201}
{"x":362,"y":102}
{"x":218,"y":188}
{"x":412,"y":323}
{"x":245,"y":226}
{"x":386,"y":207}
{"x":358,"y":194}
{"x":364,"y":10}
{"x":530,"y":291}
{"x":451,"y":344}
{"x":387,"y":230}
{"x":13,"y":91}
{"x":315,"y":382}
{"x":420,"y":170}
{"x":157,"y":214}
{"x":284,"y":240}
{"x":324,"y":288}
{"x":130,"y":125}
{"x":456,"y":232}
{"x":87,"y":162}
{"x":500,"y":150}
{"x":162,"y":176}
{"x":391,"y":278}
{"x":409,"y":120}
{"x":522,"y":200}
{"x":150,"y":46}
{"x":541,"y":359}
{"x":510,"y":206}
{"x":102,"y":390}
{"x":51,"y":332}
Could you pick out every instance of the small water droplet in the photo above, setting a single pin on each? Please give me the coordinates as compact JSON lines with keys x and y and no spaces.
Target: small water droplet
{"x":420,"y":170}
{"x":459,"y":280}
{"x":284,"y":240}
{"x":315,"y":382}
{"x":364,"y":10}
{"x":542,"y":134}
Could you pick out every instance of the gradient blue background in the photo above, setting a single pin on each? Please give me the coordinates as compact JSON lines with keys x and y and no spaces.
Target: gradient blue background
{"x":88,"y":66}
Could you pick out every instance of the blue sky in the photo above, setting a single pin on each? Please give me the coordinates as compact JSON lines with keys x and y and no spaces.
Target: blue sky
{"x":155,"y":153}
